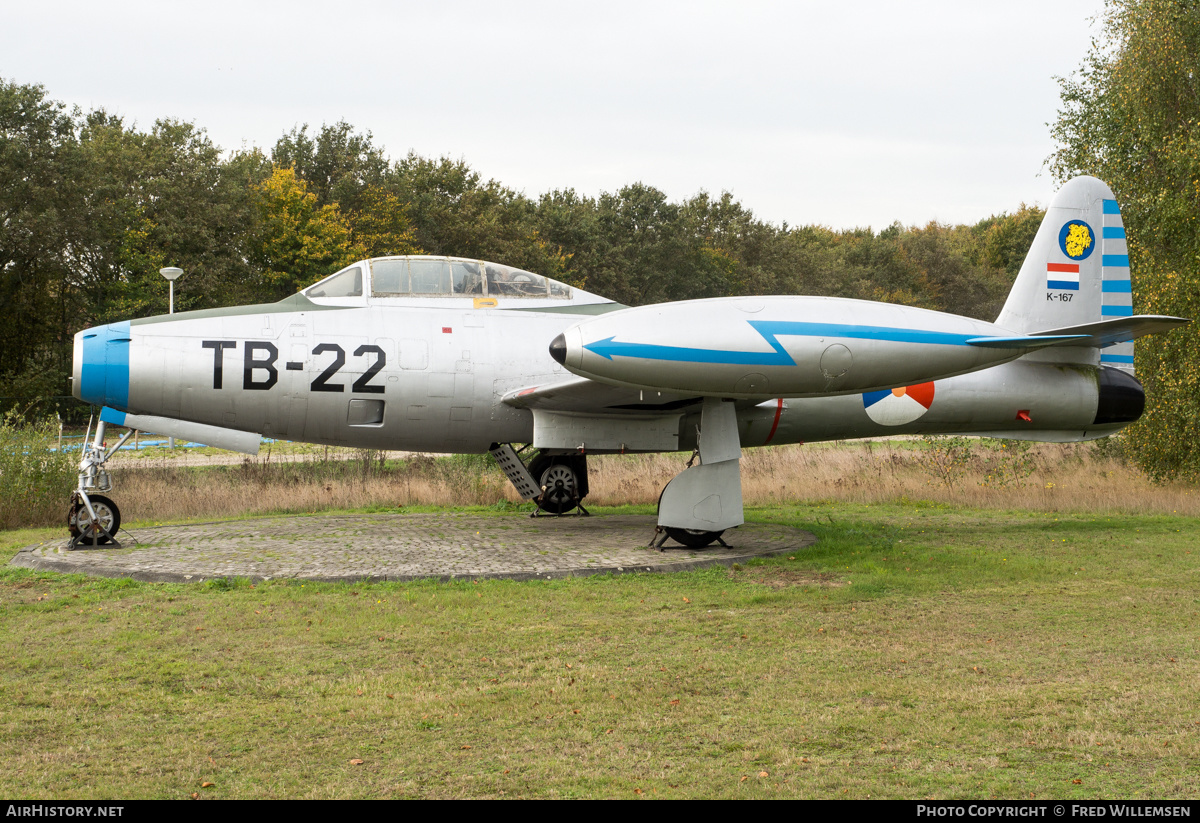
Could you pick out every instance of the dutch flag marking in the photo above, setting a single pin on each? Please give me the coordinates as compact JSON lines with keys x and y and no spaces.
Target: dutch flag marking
{"x":1062,"y":276}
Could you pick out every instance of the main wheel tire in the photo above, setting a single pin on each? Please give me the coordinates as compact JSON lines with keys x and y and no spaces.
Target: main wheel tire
{"x":107,"y":514}
{"x":564,"y":479}
{"x":693,"y":538}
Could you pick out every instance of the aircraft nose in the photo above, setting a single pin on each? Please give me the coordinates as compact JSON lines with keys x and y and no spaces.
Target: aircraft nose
{"x":558,"y":349}
{"x":101,"y":365}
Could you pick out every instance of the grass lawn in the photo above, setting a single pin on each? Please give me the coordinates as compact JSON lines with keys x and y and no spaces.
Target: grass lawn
{"x":918,"y":650}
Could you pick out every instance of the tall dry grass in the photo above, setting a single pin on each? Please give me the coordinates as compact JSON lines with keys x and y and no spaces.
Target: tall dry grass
{"x":1072,"y":477}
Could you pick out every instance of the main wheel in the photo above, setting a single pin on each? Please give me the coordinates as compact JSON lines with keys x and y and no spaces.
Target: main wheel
{"x":692,"y":538}
{"x":564,"y":480}
{"x":108,"y":518}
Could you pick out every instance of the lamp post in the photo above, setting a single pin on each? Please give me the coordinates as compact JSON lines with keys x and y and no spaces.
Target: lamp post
{"x":171,"y":272}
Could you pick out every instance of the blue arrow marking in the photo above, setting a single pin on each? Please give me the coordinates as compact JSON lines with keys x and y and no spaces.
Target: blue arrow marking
{"x":771,"y":330}
{"x":609,"y":348}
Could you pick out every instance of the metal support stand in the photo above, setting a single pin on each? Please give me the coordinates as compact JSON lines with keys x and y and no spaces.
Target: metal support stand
{"x":658,"y":541}
{"x":580,"y":511}
{"x":94,"y":541}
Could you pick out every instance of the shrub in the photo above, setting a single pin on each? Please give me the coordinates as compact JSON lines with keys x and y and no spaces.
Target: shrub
{"x":35,"y":478}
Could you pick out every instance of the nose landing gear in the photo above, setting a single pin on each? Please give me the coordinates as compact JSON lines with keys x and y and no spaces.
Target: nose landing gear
{"x":93,"y":518}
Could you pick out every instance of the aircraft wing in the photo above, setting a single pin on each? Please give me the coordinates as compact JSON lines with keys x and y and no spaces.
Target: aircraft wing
{"x":580,"y":394}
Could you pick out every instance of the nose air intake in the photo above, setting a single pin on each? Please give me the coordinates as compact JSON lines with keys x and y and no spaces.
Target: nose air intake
{"x":102,"y":365}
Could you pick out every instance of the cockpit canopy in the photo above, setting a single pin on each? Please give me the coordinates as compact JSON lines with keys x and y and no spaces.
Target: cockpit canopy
{"x":423,"y":276}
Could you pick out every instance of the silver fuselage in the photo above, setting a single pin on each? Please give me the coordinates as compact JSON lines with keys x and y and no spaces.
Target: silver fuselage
{"x":434,"y":375}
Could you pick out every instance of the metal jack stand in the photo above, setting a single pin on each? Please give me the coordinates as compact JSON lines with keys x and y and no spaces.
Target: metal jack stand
{"x":94,"y":541}
{"x":580,"y":511}
{"x":659,"y":540}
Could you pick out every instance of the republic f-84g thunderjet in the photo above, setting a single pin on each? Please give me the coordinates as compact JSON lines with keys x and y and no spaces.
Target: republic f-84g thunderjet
{"x":444,"y":354}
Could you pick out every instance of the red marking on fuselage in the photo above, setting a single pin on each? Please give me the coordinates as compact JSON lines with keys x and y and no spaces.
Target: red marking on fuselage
{"x":775,"y":425}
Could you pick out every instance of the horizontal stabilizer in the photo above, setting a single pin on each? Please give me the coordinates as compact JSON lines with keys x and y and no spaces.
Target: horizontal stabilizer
{"x":215,"y":436}
{"x":1029,"y":342}
{"x":1118,"y":330}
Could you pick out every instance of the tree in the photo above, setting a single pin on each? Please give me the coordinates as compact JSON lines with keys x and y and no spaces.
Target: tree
{"x":294,"y":241}
{"x":381,"y":227}
{"x":42,"y":216}
{"x":339,"y":165}
{"x":163,"y":198}
{"x":1131,"y":116}
{"x":455,"y":212}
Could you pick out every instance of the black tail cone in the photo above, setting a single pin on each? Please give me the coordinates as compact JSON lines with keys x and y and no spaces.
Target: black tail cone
{"x":1122,"y":399}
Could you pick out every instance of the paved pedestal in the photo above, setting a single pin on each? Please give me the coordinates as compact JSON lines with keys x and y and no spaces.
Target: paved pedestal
{"x":403,"y":547}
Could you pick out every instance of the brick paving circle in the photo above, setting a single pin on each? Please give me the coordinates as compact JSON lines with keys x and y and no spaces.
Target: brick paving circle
{"x":403,"y":547}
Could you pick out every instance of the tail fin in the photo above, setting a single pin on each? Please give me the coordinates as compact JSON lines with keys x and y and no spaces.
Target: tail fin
{"x":1076,"y":273}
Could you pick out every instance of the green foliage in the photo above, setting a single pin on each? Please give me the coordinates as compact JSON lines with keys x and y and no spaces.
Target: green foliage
{"x":40,"y":202}
{"x":946,"y":458}
{"x":294,"y":241}
{"x":1007,"y":462}
{"x":35,"y":479}
{"x":339,"y":165}
{"x":159,"y":198}
{"x":1131,"y":116}
{"x":381,"y":226}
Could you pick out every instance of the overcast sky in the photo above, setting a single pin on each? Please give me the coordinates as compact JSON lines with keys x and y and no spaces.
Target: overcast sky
{"x":849,"y":115}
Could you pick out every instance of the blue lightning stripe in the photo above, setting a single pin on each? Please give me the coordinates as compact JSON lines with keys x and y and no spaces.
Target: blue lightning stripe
{"x":771,"y":330}
{"x":1111,"y":207}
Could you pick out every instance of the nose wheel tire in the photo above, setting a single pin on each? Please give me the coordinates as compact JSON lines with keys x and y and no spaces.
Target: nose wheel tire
{"x":693,"y":538}
{"x":108,"y":519}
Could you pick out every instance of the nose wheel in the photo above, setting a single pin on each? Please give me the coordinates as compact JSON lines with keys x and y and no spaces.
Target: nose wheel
{"x":97,"y":531}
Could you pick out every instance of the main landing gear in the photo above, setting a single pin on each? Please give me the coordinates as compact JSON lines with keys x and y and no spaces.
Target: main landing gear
{"x":563,"y":482}
{"x":93,"y":519}
{"x":704,"y":500}
{"x":555,"y":483}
